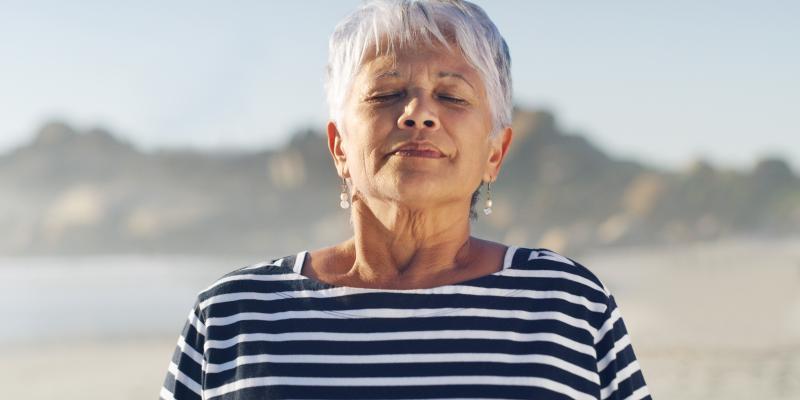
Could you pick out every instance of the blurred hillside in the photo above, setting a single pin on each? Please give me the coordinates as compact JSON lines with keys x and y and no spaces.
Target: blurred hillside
{"x":69,"y":192}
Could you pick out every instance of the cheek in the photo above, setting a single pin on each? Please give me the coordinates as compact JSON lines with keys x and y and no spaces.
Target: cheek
{"x":363,"y":156}
{"x":474,"y":154}
{"x":475,"y":162}
{"x":468,"y":131}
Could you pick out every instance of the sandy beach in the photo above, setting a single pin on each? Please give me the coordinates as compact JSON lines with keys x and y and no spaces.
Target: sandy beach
{"x":124,"y":369}
{"x":708,"y":321}
{"x":711,"y":320}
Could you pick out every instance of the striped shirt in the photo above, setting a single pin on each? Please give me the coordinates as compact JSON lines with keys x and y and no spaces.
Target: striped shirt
{"x":543,"y":327}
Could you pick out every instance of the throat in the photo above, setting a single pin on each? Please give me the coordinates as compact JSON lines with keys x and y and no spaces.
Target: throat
{"x":341,"y":266}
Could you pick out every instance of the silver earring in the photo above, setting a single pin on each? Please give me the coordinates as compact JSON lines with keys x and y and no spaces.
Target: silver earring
{"x":344,"y":197}
{"x":488,"y":206}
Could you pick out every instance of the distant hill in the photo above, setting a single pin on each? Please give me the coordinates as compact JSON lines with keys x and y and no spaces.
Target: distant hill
{"x":70,"y":192}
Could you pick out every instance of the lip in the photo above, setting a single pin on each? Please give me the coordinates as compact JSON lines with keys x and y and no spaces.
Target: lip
{"x":417,"y":150}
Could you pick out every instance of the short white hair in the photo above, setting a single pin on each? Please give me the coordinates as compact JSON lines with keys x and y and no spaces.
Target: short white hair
{"x":401,"y":24}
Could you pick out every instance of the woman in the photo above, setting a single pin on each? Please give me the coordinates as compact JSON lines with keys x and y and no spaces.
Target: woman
{"x":411,"y":306}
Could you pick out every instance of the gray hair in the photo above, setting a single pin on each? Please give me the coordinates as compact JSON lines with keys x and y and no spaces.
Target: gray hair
{"x":402,"y":24}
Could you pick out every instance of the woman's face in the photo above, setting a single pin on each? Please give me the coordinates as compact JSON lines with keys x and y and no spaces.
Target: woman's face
{"x":434,"y":104}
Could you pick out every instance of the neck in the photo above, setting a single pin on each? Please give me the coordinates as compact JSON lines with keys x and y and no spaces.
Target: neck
{"x":394,"y":244}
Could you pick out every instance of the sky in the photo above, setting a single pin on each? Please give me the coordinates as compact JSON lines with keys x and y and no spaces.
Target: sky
{"x":662,"y":82}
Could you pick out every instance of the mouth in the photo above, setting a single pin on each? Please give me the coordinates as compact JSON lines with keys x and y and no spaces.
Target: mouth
{"x":417,"y":150}
{"x":418,"y":153}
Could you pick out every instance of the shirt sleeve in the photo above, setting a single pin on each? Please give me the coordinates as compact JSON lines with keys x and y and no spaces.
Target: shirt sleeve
{"x":620,"y":374}
{"x":184,"y":380}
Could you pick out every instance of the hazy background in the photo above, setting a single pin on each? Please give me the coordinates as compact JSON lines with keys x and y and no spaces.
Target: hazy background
{"x":148,"y":148}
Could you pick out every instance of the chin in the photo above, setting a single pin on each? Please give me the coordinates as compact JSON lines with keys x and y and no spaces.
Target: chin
{"x":422,"y":196}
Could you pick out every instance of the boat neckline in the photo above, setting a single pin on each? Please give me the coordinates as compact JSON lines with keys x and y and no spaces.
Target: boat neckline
{"x":301,"y":256}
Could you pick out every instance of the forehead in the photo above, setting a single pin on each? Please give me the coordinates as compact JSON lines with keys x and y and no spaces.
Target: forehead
{"x":437,"y":60}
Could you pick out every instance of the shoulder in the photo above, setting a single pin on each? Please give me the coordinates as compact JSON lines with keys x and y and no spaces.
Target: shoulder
{"x":549,"y":262}
{"x":260,"y":276}
{"x":572,"y":282}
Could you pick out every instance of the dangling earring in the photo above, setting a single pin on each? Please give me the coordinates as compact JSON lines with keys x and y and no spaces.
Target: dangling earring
{"x":344,"y":196}
{"x":488,"y":207}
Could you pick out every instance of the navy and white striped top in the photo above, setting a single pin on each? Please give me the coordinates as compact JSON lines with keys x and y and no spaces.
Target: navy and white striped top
{"x":544,"y":327}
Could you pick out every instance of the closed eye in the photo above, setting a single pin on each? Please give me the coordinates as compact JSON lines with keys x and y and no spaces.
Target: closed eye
{"x":453,"y":99}
{"x":382,"y":98}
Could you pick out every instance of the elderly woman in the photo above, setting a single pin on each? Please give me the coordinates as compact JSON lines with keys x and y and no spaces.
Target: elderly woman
{"x":412,"y":305}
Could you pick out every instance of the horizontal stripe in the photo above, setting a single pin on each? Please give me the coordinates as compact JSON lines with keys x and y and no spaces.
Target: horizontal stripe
{"x":407,"y":358}
{"x":405,"y":313}
{"x":406,"y":381}
{"x":619,"y":345}
{"x":198,"y":325}
{"x":622,"y":375}
{"x":189,"y":350}
{"x":549,"y":255}
{"x":184,"y":379}
{"x":453,"y":289}
{"x":251,"y":277}
{"x":165,"y":394}
{"x":540,"y":273}
{"x":404,"y":335}
{"x":262,"y":265}
{"x":607,"y":326}
{"x":639,"y":394}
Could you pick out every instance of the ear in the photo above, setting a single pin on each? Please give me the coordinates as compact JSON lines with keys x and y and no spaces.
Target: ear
{"x":337,"y":150}
{"x":497,"y":153}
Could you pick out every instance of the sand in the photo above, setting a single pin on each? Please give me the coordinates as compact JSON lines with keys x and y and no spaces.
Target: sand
{"x":100,"y":369}
{"x":711,"y":320}
{"x":708,"y":321}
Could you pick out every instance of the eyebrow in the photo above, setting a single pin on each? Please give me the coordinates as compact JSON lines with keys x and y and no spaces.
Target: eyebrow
{"x":446,"y":74}
{"x":393,"y":73}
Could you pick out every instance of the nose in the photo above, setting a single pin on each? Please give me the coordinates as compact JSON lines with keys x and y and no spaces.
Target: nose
{"x":418,"y":114}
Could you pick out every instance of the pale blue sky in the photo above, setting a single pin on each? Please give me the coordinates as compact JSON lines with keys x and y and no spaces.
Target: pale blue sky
{"x":663,"y":81}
